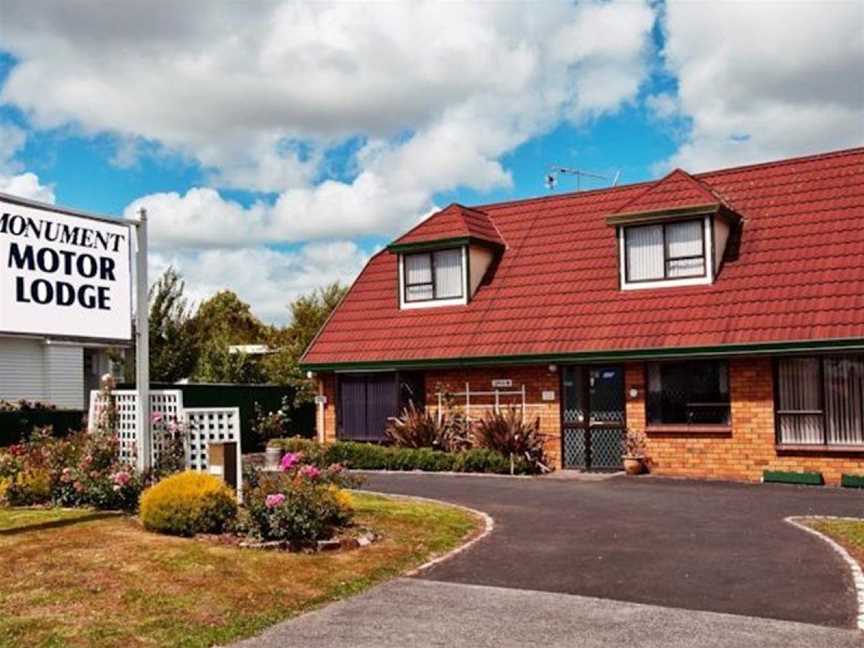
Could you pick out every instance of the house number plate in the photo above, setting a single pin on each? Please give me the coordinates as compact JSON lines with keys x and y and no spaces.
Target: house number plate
{"x":502,"y":382}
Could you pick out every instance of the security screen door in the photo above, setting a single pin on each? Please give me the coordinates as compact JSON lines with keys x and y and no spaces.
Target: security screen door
{"x":592,"y":417}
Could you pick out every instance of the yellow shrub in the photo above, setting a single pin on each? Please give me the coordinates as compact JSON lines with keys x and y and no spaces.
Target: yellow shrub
{"x":343,"y":498}
{"x":188,"y":503}
{"x":29,"y":487}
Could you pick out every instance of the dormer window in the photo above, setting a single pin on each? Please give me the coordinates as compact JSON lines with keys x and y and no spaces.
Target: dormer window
{"x":673,"y":233}
{"x":433,"y":275}
{"x":665,"y":251}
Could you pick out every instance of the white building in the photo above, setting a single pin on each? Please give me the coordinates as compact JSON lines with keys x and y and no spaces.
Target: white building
{"x":53,"y":371}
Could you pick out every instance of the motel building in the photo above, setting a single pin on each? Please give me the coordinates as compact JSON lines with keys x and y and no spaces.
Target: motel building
{"x":721,"y":313}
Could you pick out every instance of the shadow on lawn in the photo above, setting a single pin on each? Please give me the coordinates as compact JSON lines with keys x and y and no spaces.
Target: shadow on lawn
{"x":63,"y":522}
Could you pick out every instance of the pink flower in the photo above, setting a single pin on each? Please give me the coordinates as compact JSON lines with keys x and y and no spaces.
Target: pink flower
{"x":274,"y":500}
{"x":290,"y":460}
{"x":310,"y":472}
{"x":121,"y":478}
{"x":156,"y":418}
{"x":336,"y":468}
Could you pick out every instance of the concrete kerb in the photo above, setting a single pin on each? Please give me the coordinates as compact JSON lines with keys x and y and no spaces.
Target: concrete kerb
{"x":854,"y":567}
{"x":488,"y":527}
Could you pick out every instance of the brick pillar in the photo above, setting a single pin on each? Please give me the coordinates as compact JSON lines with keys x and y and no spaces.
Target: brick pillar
{"x":634,"y":378}
{"x":325,"y":415}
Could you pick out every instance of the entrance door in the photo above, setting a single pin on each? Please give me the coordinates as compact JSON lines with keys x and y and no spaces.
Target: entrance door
{"x":592,"y":418}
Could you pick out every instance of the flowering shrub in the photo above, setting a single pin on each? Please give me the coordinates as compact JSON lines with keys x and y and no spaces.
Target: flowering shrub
{"x":170,"y":434}
{"x":80,"y":470}
{"x":300,"y":504}
{"x":269,"y":425}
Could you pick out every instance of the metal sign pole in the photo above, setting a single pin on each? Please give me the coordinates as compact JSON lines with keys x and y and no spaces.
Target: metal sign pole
{"x":142,"y":348}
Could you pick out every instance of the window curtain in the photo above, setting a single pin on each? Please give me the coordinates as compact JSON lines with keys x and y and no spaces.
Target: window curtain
{"x":685,"y":240}
{"x":644,"y":252}
{"x":418,"y":277}
{"x":799,"y":401}
{"x":448,"y":274}
{"x":844,"y":400}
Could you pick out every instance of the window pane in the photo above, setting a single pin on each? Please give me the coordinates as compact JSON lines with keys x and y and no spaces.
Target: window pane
{"x":685,"y":267}
{"x":684,"y":239}
{"x":418,"y":293}
{"x":799,"y":406}
{"x":448,"y":274}
{"x":418,"y":269}
{"x":644,"y":248}
{"x":688,"y":392}
{"x":844,"y":399}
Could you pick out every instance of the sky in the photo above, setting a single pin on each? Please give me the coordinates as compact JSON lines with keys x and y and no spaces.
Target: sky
{"x":277,"y":145}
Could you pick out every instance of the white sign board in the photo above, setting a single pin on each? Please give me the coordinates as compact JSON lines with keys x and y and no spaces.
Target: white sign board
{"x":63,"y":275}
{"x":502,"y":383}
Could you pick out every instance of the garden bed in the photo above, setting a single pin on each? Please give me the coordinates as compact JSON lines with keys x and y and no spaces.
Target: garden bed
{"x":848,"y":533}
{"x":108,"y":582}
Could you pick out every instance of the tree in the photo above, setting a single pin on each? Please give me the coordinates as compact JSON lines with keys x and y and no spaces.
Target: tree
{"x":174,"y":347}
{"x":222,"y":321}
{"x":308,"y":314}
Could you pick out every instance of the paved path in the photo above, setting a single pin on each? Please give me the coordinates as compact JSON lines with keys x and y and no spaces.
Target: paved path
{"x":413,"y":612}
{"x":713,"y":546}
{"x":642,"y":562}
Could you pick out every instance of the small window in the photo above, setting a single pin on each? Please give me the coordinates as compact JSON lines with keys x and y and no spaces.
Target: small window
{"x":433,"y":275}
{"x":820,"y":401}
{"x":664,"y":251}
{"x":693,"y":392}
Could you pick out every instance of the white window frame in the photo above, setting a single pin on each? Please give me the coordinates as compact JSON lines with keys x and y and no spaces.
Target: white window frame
{"x":708,"y":243}
{"x":434,"y":303}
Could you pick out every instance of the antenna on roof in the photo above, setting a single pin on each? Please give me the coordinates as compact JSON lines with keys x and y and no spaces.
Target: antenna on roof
{"x":555,"y":171}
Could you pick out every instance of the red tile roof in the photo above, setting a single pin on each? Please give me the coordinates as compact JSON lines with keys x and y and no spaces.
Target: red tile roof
{"x":797,"y":277}
{"x":675,"y":191}
{"x":454,"y":221}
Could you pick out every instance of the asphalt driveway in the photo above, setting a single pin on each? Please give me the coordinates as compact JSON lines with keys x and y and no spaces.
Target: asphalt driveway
{"x":711,"y":546}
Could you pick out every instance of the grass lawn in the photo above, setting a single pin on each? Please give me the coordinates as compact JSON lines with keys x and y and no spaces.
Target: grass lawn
{"x":848,"y":533}
{"x":107,"y":582}
{"x":24,"y":517}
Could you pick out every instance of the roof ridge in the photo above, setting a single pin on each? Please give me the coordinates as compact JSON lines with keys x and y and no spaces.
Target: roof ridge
{"x":696,"y":176}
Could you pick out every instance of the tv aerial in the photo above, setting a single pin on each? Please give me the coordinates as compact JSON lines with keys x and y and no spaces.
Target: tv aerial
{"x":555,"y":171}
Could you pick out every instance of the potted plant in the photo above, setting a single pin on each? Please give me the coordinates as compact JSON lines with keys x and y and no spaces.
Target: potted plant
{"x":635,"y":451}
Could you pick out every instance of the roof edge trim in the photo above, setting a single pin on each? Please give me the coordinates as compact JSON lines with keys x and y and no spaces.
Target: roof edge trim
{"x":661,"y":214}
{"x":419,"y":246}
{"x":660,"y":353}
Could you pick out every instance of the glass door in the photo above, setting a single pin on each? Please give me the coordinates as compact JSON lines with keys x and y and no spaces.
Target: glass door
{"x":592,"y":417}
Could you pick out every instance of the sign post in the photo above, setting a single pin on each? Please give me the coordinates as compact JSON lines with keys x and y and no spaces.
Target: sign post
{"x":142,"y":347}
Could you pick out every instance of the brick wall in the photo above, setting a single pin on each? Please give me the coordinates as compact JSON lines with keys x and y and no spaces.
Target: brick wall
{"x":536,"y":379}
{"x":746,"y":451}
{"x":740,"y":454}
{"x":325,"y":416}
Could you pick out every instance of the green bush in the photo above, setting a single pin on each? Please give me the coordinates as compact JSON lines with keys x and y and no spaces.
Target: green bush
{"x":852,"y":481}
{"x":371,"y":456}
{"x":188,"y":503}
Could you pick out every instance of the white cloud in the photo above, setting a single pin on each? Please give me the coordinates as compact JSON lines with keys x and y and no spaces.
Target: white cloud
{"x":23,"y":185}
{"x":269,"y":279}
{"x":764,"y":80}
{"x":437,"y":93}
{"x":26,"y":185}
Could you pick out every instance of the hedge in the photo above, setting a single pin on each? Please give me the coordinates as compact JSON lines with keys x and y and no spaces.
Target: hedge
{"x":17,"y":426}
{"x":370,"y":456}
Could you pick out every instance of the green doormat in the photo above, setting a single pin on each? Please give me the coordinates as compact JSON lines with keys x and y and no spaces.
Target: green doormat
{"x":786,"y":477}
{"x":852,"y":481}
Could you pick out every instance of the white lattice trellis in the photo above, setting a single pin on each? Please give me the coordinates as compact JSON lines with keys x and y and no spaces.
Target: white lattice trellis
{"x":213,"y":425}
{"x":205,"y":425}
{"x":166,"y":402}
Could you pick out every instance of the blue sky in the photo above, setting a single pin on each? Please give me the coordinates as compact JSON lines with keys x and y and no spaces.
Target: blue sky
{"x":276,"y":151}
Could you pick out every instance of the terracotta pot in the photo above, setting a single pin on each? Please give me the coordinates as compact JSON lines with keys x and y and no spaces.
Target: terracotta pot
{"x":634,"y":465}
{"x":273,"y":457}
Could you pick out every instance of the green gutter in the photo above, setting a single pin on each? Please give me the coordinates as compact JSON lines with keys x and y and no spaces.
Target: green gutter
{"x":440,"y":244}
{"x":773,"y":348}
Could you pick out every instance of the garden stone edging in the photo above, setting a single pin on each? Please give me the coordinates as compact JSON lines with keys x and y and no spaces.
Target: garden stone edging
{"x":365,"y":539}
{"x":854,"y":567}
{"x":488,"y":523}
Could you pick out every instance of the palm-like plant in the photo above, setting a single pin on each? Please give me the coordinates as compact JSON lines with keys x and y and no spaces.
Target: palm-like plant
{"x":508,"y":433}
